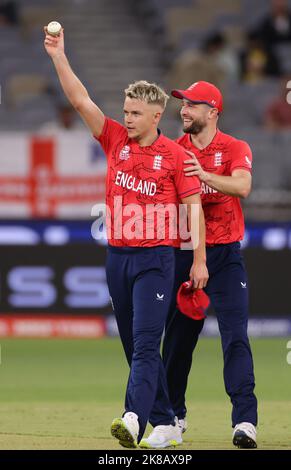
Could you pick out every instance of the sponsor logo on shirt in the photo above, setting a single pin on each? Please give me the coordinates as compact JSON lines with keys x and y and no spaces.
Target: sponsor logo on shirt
{"x":131,"y":182}
{"x":205,"y":189}
{"x":157,"y":162}
{"x":124,"y":153}
{"x":218,"y":159}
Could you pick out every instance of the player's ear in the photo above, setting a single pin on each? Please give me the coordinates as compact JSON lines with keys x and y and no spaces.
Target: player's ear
{"x":213,"y":112}
{"x":157,"y":116}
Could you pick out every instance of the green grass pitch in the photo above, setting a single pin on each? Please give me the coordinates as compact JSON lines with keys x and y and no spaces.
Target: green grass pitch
{"x":63,"y":394}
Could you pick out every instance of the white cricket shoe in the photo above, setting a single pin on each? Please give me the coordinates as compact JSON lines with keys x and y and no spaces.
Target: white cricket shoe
{"x":183,"y":425}
{"x":163,"y":436}
{"x":126,"y":430}
{"x":245,"y":436}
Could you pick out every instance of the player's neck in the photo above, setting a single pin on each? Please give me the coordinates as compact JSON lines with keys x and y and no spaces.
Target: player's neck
{"x":148,"y":140}
{"x":204,"y":138}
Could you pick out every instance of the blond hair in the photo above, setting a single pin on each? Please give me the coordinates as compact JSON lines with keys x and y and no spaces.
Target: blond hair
{"x":148,"y":92}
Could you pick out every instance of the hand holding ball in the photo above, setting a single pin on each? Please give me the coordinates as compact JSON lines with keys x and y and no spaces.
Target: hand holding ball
{"x":54,"y":28}
{"x":54,"y":39}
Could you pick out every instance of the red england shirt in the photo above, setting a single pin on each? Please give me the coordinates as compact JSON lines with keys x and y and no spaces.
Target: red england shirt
{"x":223,"y":214}
{"x":144,"y":186}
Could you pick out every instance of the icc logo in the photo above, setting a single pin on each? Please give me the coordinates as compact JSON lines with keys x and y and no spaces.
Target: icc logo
{"x":124,"y":153}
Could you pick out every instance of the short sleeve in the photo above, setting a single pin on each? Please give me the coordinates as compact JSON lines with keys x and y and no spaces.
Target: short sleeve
{"x":112,"y":132}
{"x":186,"y":185}
{"x":241,"y":156}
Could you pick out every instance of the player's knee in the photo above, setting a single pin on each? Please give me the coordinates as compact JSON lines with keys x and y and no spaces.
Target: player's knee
{"x":146,"y":344}
{"x":235,"y":339}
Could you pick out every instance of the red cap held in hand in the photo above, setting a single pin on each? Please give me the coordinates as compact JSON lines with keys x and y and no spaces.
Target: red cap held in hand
{"x":192,"y":303}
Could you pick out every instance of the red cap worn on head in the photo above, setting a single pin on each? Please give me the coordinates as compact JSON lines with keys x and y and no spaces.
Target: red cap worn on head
{"x":201,"y":93}
{"x":192,"y":303}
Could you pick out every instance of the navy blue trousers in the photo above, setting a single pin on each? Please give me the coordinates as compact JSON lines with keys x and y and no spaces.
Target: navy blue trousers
{"x":140,"y":282}
{"x":228,"y":291}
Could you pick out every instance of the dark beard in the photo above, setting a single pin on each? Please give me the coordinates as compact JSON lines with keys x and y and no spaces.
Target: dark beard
{"x":195,"y":128}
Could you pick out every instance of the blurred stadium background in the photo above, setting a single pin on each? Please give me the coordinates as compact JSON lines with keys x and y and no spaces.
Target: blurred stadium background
{"x":52,"y":172}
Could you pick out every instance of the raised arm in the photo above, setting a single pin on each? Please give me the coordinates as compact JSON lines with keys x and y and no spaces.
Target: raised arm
{"x":72,"y":86}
